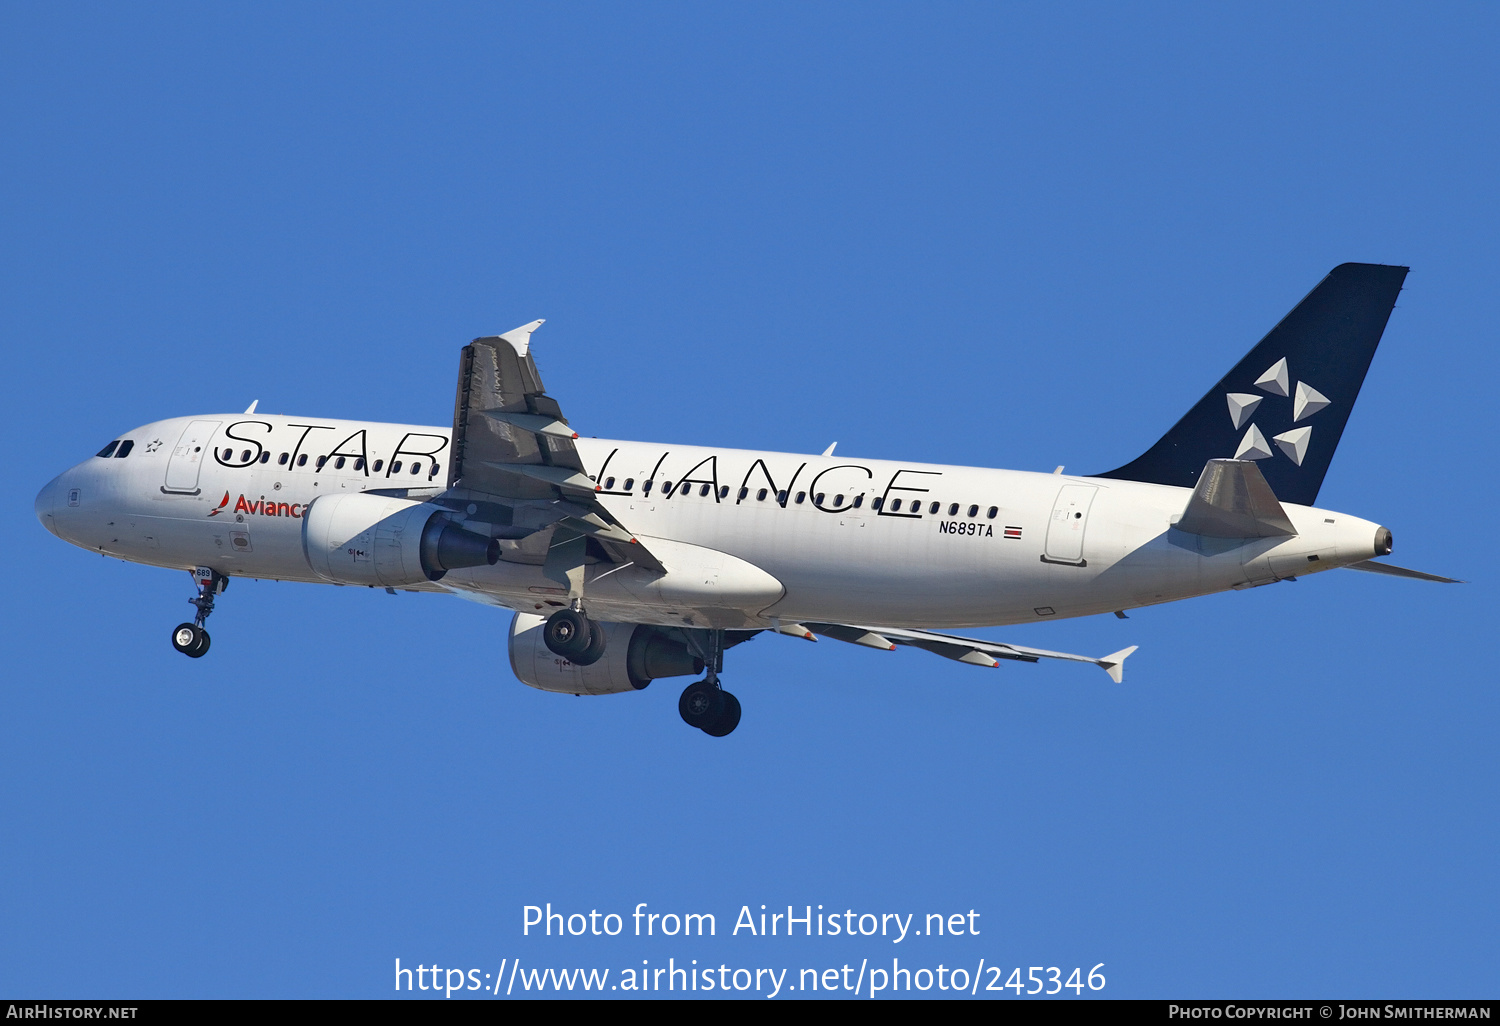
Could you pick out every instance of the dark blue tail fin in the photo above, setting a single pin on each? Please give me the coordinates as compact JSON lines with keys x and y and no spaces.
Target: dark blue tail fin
{"x":1286,"y":403}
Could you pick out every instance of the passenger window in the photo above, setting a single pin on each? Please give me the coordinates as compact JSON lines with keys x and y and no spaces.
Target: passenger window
{"x":244,"y":456}
{"x":609,"y":482}
{"x":859,"y":500}
{"x":992,"y":512}
{"x":838,"y":500}
{"x":265,"y":457}
{"x":434,"y":471}
{"x":934,"y":507}
{"x":723,"y":491}
{"x":800,"y":497}
{"x":338,"y":464}
{"x":687,"y":487}
{"x":953,"y":509}
{"x":646,"y":488}
{"x":281,"y":460}
{"x":760,"y":496}
{"x":629,"y":483}
{"x":124,"y":449}
{"x":378,"y":465}
{"x":895,"y":505}
{"x":973,"y":511}
{"x":781,"y":496}
{"x":876,"y":503}
{"x":108,"y":450}
{"x":818,"y":499}
{"x":744,"y":492}
{"x":359,"y":463}
{"x":302,"y":460}
{"x":704,"y":490}
{"x":416,"y":466}
{"x":395,"y":467}
{"x":228,"y":455}
{"x":321,"y":460}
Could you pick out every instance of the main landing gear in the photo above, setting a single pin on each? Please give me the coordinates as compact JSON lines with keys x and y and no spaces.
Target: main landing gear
{"x":190,"y":638}
{"x":573,"y":636}
{"x":705,"y":704}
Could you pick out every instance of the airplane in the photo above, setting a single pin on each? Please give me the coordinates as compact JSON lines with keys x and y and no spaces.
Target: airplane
{"x":628,"y":561}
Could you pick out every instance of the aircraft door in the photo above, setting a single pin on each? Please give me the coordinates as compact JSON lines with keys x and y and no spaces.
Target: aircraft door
{"x":187,"y":457}
{"x":1070,"y":519}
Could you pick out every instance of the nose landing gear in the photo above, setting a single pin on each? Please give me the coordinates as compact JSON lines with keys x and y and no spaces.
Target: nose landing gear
{"x":705,"y":704}
{"x":190,"y":638}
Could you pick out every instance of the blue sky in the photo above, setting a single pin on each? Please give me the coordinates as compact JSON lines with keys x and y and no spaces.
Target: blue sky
{"x":975,"y":234}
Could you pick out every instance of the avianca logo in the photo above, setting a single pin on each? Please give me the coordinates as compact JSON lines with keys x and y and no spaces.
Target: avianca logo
{"x":259,"y":508}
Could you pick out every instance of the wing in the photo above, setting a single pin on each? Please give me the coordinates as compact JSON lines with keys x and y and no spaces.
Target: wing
{"x":513,"y":447}
{"x":973,"y":651}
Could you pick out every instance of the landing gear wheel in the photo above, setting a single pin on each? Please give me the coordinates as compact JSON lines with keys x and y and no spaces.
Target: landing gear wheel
{"x":595,"y":650}
{"x":190,"y":639}
{"x":728,"y":719}
{"x":701,"y":704}
{"x":567,"y":633}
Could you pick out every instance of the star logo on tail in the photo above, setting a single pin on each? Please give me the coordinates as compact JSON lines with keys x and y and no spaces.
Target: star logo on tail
{"x":1306,"y":401}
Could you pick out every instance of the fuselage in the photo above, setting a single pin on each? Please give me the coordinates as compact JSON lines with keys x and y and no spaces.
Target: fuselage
{"x":849,"y":540}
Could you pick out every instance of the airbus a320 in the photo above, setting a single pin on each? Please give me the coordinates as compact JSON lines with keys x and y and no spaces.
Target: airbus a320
{"x":626,"y":561}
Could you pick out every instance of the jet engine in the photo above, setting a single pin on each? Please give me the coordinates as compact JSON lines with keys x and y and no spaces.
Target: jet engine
{"x":634,"y":656}
{"x":381,"y":541}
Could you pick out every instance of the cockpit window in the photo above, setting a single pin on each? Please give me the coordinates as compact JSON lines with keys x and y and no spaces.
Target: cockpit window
{"x":124,"y":449}
{"x":108,"y":450}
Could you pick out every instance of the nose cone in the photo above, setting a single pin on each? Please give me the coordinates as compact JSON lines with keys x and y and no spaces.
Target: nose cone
{"x":46,"y":504}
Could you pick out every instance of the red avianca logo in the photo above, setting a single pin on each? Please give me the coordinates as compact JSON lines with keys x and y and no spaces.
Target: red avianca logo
{"x":259,"y":507}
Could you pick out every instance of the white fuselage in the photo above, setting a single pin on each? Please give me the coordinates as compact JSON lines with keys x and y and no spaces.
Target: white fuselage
{"x":966,"y":546}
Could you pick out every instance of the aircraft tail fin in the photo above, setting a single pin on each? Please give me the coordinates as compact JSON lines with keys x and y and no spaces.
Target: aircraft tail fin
{"x":1286,"y":403}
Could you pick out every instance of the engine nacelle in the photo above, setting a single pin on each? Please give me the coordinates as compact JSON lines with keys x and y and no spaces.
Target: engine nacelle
{"x":634,"y":656}
{"x":376,"y":540}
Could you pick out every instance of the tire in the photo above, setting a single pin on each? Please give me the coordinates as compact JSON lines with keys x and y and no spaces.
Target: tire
{"x":728,"y":719}
{"x":566,"y":633}
{"x":595,"y":650}
{"x":701,"y":704}
{"x":190,"y":639}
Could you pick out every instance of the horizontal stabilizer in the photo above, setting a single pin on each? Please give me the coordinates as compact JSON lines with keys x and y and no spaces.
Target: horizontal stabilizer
{"x":1369,"y":566}
{"x":1232,"y":500}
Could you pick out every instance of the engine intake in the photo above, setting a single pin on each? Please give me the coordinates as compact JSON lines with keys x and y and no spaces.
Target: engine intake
{"x":381,"y":541}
